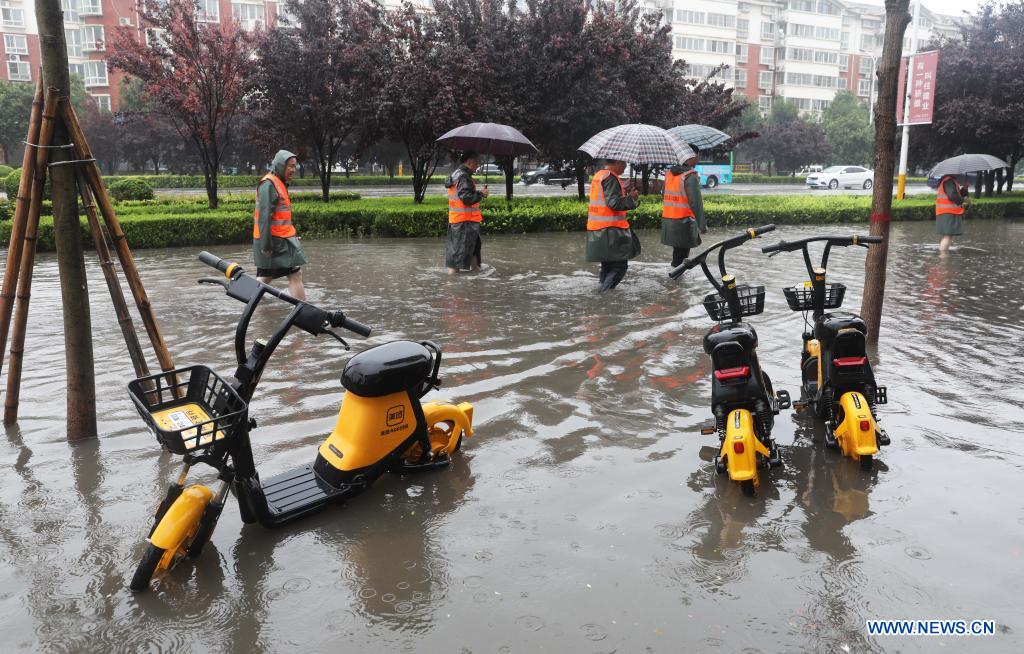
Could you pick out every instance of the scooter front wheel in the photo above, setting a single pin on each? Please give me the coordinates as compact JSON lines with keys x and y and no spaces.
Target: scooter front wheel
{"x":147,"y":569}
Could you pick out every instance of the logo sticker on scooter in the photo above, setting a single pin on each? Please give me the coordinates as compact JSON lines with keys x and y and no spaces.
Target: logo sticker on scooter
{"x":737,"y":420}
{"x":856,"y":401}
{"x":396,"y":415}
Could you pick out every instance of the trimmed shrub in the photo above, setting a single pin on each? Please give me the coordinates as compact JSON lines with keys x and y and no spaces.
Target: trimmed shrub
{"x":11,"y":182}
{"x":250,"y":181}
{"x":6,"y":210}
{"x":5,"y":170}
{"x":131,"y":189}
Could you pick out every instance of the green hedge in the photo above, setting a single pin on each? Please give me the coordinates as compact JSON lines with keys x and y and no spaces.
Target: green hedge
{"x":757,"y":178}
{"x":250,"y":181}
{"x":5,"y":170}
{"x":130,"y":188}
{"x":189,"y":222}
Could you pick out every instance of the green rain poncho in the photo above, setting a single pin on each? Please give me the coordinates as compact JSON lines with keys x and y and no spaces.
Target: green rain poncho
{"x":285,"y":253}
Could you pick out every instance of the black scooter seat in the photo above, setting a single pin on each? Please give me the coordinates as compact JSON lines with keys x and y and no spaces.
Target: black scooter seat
{"x":830,"y":324}
{"x":739,"y":332}
{"x":388,"y":368}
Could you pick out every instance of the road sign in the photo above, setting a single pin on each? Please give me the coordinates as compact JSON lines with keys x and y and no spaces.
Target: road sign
{"x":922,"y":87}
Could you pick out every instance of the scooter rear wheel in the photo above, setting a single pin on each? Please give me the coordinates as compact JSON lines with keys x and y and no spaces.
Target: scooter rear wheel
{"x":747,"y":486}
{"x":866,"y":462}
{"x":147,"y":568}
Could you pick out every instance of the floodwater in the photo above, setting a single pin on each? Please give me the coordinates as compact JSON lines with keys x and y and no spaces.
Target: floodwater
{"x":582,"y":516}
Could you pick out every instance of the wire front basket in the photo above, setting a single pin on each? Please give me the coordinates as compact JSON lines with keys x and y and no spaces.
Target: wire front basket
{"x":801,"y":297}
{"x":751,"y":303}
{"x":188,"y":409}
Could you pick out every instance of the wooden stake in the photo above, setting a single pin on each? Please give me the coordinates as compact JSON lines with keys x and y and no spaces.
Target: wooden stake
{"x":17,"y":237}
{"x":124,"y":318}
{"x":28,"y":255}
{"x":124,"y":254}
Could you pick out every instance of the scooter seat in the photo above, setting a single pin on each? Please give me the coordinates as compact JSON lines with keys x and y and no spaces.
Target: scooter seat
{"x":830,"y":324}
{"x":389,"y":368}
{"x":739,"y":332}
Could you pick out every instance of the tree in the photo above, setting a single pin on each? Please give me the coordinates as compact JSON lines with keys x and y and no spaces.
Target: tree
{"x":979,"y":90}
{"x":846,"y":127}
{"x":196,"y":74}
{"x":320,"y":74}
{"x":15,"y":107}
{"x":789,"y":141}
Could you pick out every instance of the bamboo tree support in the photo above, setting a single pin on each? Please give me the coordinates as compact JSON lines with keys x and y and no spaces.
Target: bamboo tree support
{"x":124,"y":318}
{"x":41,"y":151}
{"x":21,"y":213}
{"x":124,"y":254}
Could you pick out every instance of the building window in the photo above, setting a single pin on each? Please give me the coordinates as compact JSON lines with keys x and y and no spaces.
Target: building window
{"x":806,"y":79}
{"x":15,"y":44}
{"x":704,"y":71}
{"x":867,"y":41}
{"x":866,"y":66}
{"x":72,"y":10}
{"x":740,"y":78}
{"x":742,"y":28}
{"x":19,"y":71}
{"x":844,"y":63}
{"x":102,"y":102}
{"x":767,"y":56}
{"x":93,"y":38}
{"x":721,"y":47}
{"x":764,"y":79}
{"x":721,"y":20}
{"x":844,"y":40}
{"x":95,"y":73}
{"x":864,"y":87}
{"x":691,"y":17}
{"x":91,"y":8}
{"x":764,"y":103}
{"x":767,"y":31}
{"x":74,"y":40}
{"x":249,"y":15}
{"x":208,"y":11}
{"x":10,"y":17}
{"x":743,"y":7}
{"x":689,"y":43}
{"x":77,"y":70}
{"x":741,"y":53}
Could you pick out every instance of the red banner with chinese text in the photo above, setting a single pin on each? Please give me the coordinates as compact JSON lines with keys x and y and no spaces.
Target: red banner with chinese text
{"x":922,"y":87}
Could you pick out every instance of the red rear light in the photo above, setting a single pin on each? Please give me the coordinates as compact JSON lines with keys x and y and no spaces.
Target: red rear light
{"x":865,"y":425}
{"x":732,"y":373}
{"x":738,"y":448}
{"x":843,"y":362}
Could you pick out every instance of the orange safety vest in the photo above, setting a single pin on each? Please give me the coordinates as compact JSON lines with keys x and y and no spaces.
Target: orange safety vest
{"x":281,"y":220}
{"x":459,"y":211}
{"x":943,"y":205}
{"x":677,"y":205}
{"x":599,"y":214}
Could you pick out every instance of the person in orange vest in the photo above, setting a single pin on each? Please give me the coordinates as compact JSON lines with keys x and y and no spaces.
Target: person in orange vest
{"x":609,"y":238}
{"x":275,"y":243}
{"x":950,"y":203}
{"x":682,"y":215}
{"x":464,"y":217}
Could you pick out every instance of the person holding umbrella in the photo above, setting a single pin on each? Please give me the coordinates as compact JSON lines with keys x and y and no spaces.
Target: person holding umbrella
{"x":610,"y":240}
{"x":682,"y":215}
{"x":950,"y":204}
{"x":464,"y":217}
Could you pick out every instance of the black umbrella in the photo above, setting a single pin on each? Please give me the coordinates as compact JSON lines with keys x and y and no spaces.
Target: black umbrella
{"x":488,"y":138}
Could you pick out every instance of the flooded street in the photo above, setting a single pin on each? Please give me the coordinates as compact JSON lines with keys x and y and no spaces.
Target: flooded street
{"x":582,"y":516}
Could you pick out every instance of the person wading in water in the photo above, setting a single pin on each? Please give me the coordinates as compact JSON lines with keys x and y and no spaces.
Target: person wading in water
{"x":682,"y":218}
{"x":275,"y":243}
{"x":464,"y":217}
{"x":609,"y":238}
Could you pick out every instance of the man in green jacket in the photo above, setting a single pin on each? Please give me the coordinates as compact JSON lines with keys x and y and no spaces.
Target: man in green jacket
{"x":275,"y":244}
{"x":683,"y":218}
{"x":609,"y":237}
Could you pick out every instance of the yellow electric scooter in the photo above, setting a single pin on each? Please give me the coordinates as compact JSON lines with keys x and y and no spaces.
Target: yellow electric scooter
{"x":382,"y":427}
{"x":742,"y":399}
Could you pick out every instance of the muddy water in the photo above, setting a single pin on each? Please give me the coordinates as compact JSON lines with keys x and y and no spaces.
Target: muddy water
{"x":582,"y":517}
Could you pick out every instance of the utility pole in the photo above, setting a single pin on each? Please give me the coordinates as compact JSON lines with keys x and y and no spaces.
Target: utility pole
{"x":905,"y":141}
{"x":896,"y":20}
{"x":81,"y":384}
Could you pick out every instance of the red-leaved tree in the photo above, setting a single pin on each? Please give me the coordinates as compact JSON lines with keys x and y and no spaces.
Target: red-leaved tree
{"x":196,"y":73}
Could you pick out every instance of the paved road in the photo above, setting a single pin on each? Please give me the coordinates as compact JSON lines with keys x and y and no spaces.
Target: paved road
{"x":555,"y":190}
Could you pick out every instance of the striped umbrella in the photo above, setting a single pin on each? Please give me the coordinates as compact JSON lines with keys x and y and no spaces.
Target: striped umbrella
{"x":967,"y":163}
{"x":700,"y":136}
{"x":637,"y":144}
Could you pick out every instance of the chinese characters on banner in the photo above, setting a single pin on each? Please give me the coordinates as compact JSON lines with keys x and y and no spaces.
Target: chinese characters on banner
{"x":922,"y":88}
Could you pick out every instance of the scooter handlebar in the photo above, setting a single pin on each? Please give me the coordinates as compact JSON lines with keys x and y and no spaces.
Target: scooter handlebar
{"x":678,"y":271}
{"x":214,"y":261}
{"x":764,"y":229}
{"x":338,"y":319}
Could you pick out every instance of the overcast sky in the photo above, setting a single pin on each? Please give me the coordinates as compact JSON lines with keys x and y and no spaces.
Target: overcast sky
{"x":948,"y":7}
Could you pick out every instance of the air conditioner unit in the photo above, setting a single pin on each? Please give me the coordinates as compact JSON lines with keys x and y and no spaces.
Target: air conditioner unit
{"x":11,"y":57}
{"x":124,"y":20}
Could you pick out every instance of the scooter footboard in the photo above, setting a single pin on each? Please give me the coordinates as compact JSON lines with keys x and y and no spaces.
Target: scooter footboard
{"x":182,"y":519}
{"x":857,"y":431}
{"x":741,"y":446}
{"x":459,"y":417}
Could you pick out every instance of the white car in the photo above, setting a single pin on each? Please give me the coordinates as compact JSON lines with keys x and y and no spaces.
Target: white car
{"x":846,"y":176}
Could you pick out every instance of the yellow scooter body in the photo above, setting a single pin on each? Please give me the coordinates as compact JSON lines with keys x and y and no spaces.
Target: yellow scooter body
{"x":182,"y":518}
{"x":854,"y":441}
{"x":370,"y":428}
{"x":741,"y":446}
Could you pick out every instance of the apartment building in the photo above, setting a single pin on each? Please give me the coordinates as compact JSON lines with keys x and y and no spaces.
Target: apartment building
{"x":801,"y":50}
{"x":88,"y":24}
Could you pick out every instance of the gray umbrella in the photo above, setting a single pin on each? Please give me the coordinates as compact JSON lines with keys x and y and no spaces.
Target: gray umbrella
{"x":700,"y":136}
{"x":488,"y":138}
{"x":967,"y":163}
{"x":637,"y":144}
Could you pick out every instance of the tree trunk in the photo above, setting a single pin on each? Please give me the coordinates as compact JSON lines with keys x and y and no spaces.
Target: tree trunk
{"x":1009,"y":176}
{"x":211,"y":188}
{"x":990,"y":181}
{"x":977,"y":184}
{"x":1000,"y":181}
{"x":896,"y":19}
{"x":581,"y":177}
{"x":506,"y":165}
{"x":645,"y":178}
{"x":81,"y":382}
